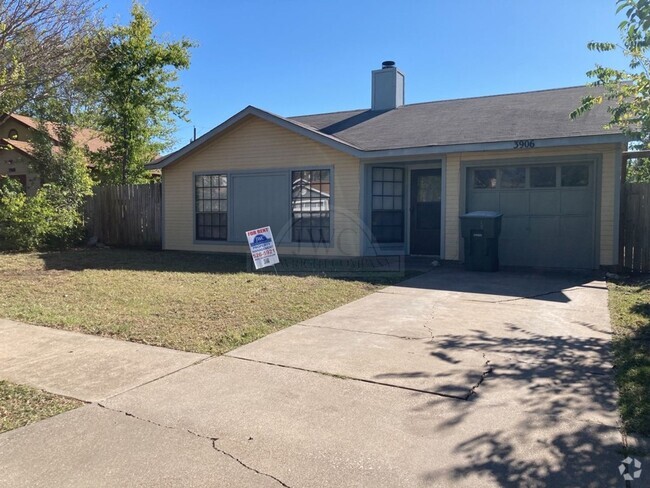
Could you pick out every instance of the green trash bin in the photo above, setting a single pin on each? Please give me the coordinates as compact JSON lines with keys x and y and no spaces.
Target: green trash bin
{"x":480,"y":231}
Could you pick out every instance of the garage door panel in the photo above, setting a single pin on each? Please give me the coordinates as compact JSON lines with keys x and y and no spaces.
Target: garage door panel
{"x":545,"y":237}
{"x":514,"y":227}
{"x":514,"y":202}
{"x":514,"y":251}
{"x":574,"y":250}
{"x":544,"y":202}
{"x":576,"y":202}
{"x":486,"y":200}
{"x":542,"y":226}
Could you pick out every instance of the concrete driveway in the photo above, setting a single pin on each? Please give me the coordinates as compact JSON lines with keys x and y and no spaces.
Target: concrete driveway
{"x":449,"y":379}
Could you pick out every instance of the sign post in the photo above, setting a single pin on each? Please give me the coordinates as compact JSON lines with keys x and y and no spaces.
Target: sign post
{"x":262,"y":246}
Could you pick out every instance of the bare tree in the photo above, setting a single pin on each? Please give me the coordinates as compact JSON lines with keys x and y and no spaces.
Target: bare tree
{"x":44,"y":45}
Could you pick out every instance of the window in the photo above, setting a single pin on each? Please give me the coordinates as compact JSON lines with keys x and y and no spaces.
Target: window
{"x":577,"y":175}
{"x":310,"y":206}
{"x":13,"y":134}
{"x":388,"y":204}
{"x":542,"y":177}
{"x":211,"y":196}
{"x":513,"y":178}
{"x":485,"y":178}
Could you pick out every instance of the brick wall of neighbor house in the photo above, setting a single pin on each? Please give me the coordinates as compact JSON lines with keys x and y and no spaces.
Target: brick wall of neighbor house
{"x":13,"y":160}
{"x":257,"y":144}
{"x":606,"y":198}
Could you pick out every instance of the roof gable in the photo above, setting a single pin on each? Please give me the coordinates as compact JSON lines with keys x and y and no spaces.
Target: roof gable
{"x":250,"y":111}
{"x":88,"y":138}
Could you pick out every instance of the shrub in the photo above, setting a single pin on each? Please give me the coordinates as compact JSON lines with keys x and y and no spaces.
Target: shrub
{"x":44,"y":221}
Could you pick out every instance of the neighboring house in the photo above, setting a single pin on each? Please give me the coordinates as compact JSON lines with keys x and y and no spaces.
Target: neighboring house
{"x":16,"y":148}
{"x":394,"y":179}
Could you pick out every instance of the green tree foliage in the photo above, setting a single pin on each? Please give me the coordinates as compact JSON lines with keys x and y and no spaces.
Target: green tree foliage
{"x":53,"y":217}
{"x":45,"y":45}
{"x":137,"y":99}
{"x":63,"y":165}
{"x":628,"y":89}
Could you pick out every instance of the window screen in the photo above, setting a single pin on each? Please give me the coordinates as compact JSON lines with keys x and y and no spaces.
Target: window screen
{"x":310,"y":204}
{"x":388,"y":204}
{"x":211,"y":197}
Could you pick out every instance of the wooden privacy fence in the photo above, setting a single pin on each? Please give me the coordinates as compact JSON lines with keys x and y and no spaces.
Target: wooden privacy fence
{"x":126,"y":215}
{"x":635,"y":228}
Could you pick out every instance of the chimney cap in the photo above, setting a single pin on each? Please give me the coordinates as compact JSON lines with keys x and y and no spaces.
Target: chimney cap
{"x":387,"y":64}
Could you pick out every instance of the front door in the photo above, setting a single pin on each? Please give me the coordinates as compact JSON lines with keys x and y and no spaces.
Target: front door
{"x":426,"y":192}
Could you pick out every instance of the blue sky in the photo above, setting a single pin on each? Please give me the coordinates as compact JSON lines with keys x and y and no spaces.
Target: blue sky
{"x":295,"y":57}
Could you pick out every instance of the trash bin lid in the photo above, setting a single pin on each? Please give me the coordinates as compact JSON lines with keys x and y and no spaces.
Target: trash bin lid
{"x":480,"y":214}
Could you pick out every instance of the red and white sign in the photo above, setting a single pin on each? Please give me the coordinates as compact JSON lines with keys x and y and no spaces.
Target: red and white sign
{"x":262,"y":247}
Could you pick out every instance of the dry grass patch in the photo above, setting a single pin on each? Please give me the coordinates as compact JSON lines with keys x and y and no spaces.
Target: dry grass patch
{"x":22,"y":405}
{"x":192,"y":302}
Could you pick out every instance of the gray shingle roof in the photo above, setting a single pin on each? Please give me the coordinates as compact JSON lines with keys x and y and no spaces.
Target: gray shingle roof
{"x":531,"y":115}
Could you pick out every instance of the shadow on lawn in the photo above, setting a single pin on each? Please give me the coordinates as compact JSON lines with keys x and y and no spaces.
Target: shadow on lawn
{"x":544,"y":415}
{"x":215,"y":263}
{"x":391,"y":270}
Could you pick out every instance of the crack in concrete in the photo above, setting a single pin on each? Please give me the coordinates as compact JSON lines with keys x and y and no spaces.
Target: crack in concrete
{"x":430,"y":332}
{"x":409,"y":338}
{"x":214,"y":446}
{"x":343,"y":377}
{"x":488,"y":370}
{"x":214,"y":440}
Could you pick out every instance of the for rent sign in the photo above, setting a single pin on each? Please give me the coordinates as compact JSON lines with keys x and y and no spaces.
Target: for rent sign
{"x":262,"y":247}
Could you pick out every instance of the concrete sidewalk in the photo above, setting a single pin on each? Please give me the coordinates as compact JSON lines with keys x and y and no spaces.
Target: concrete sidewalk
{"x":82,"y":366}
{"x":450,"y":379}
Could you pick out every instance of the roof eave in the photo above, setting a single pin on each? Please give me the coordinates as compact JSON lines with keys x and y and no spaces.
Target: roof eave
{"x":492,"y":146}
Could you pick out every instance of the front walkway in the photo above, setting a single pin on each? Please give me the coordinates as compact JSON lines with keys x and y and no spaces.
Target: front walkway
{"x":450,"y":379}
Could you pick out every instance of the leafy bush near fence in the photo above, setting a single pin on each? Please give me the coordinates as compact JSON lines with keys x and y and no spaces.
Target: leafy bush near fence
{"x":43,"y":221}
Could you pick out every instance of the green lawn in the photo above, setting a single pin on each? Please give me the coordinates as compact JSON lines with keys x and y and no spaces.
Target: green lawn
{"x":22,"y":405}
{"x":629,"y":303}
{"x":192,"y":302}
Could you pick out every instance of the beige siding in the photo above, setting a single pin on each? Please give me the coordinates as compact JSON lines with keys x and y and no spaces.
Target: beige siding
{"x":13,"y":163}
{"x":454,"y":205}
{"x":607,"y":209}
{"x":256,"y":144}
{"x":23,"y":132}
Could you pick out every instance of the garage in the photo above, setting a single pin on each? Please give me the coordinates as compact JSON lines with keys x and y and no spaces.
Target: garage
{"x":548,"y":211}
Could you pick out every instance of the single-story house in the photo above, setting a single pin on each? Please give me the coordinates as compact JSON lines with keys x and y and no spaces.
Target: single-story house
{"x":16,"y":151}
{"x":394,"y":179}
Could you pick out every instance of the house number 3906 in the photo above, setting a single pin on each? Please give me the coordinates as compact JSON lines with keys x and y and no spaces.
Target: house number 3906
{"x":524,"y":144}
